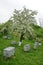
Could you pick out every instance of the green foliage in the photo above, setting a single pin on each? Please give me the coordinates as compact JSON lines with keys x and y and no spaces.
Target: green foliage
{"x":33,"y":57}
{"x":22,"y":20}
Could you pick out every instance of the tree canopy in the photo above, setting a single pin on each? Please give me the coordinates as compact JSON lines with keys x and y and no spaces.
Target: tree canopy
{"x":22,"y":20}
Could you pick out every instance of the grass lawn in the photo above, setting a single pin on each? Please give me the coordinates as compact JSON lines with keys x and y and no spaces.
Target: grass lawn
{"x":33,"y":57}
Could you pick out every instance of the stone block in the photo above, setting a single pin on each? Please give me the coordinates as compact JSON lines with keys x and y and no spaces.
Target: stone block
{"x":27,"y":47}
{"x":36,"y":44}
{"x":13,"y":42}
{"x":8,"y":52}
{"x":5,"y":37}
{"x":9,"y":36}
{"x":19,"y":44}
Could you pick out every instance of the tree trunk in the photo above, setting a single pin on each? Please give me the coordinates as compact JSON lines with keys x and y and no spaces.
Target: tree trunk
{"x":21,"y":37}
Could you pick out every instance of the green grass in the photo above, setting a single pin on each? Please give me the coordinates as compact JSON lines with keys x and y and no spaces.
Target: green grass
{"x":33,"y":57}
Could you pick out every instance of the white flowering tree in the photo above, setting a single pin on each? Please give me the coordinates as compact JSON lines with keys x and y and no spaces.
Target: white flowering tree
{"x":22,"y":20}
